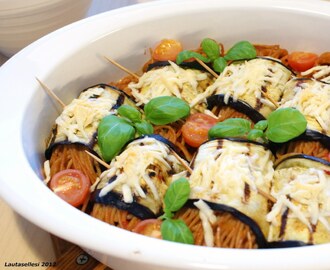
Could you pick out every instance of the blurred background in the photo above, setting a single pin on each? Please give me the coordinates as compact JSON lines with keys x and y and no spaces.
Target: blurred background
{"x":24,"y":21}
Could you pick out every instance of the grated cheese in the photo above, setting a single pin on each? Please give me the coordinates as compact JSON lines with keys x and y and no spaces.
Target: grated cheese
{"x":311,"y":98}
{"x":79,"y":120}
{"x":138,"y":171}
{"x":208,"y":218}
{"x":321,"y":73}
{"x":221,"y":171}
{"x":170,"y":80}
{"x":305,"y":193}
{"x":246,"y":80}
{"x":47,"y":171}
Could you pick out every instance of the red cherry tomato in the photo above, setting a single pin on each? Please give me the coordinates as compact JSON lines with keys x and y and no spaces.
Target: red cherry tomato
{"x":167,"y":49}
{"x":301,"y":61}
{"x":70,"y":185}
{"x":149,"y":227}
{"x":195,"y":130}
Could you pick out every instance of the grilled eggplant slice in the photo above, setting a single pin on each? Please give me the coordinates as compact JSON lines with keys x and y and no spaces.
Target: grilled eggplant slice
{"x":228,"y":174}
{"x":138,"y":178}
{"x":247,"y":81}
{"x":238,"y":105}
{"x":301,"y":186}
{"x":79,"y":120}
{"x":312,"y":98}
{"x":171,"y":80}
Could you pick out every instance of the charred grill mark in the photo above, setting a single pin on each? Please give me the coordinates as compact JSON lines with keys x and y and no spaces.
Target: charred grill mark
{"x":284,"y":220}
{"x":152,"y":174}
{"x":120,"y":101}
{"x":247,"y":193}
{"x":259,"y":104}
{"x":220,"y":144}
{"x":311,"y":234}
{"x":94,"y":96}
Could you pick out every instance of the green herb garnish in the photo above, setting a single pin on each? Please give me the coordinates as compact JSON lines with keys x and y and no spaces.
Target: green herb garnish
{"x":176,"y":196}
{"x":166,"y":109}
{"x":285,"y":124}
{"x":113,"y":133}
{"x":281,"y":126}
{"x":240,"y":51}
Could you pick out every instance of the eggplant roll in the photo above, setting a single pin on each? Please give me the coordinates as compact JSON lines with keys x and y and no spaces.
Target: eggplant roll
{"x":312,"y":99}
{"x":228,"y":174}
{"x":138,"y":178}
{"x":301,"y":214}
{"x":247,"y":81}
{"x":171,"y":80}
{"x":79,"y":120}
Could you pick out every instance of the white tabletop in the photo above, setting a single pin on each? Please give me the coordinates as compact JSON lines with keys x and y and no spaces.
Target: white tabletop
{"x":20,"y":240}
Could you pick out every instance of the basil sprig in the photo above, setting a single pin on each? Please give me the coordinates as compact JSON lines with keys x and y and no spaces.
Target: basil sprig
{"x":166,"y":109}
{"x":176,"y":196}
{"x":113,"y":133}
{"x":285,"y":124}
{"x":240,"y":51}
{"x":281,"y":126}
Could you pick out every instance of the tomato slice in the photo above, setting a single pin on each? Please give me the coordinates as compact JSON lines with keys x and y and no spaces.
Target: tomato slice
{"x":167,"y":49}
{"x":70,"y":185}
{"x":301,"y":61}
{"x":149,"y":227}
{"x":195,"y":130}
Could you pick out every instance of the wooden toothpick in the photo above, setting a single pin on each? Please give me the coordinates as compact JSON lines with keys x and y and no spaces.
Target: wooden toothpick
{"x":266,"y":195}
{"x":50,"y":93}
{"x":269,"y":98}
{"x":207,"y":67}
{"x":184,"y":164}
{"x":121,"y":67}
{"x":106,"y":165}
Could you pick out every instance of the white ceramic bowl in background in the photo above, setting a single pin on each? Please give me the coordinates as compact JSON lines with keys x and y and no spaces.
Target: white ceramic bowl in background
{"x":24,"y":21}
{"x":71,"y":59}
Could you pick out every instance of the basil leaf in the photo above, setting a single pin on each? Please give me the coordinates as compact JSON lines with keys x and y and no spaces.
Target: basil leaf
{"x":144,"y":128}
{"x":113,"y":134}
{"x":285,"y":124}
{"x":219,"y":64}
{"x":177,"y":194}
{"x":232,"y":127}
{"x":185,"y":55}
{"x":176,"y":231}
{"x":211,"y":48}
{"x":166,"y":109}
{"x":241,"y":50}
{"x":262,"y":125}
{"x":255,"y":134}
{"x":130,"y":113}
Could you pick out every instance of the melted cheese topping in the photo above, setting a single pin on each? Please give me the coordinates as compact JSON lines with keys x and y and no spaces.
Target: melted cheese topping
{"x":218,"y":178}
{"x":144,"y":171}
{"x":47,"y":171}
{"x":321,"y":73}
{"x":311,"y":98}
{"x":223,"y":172}
{"x":246,"y":80}
{"x":170,"y":80}
{"x":79,"y":120}
{"x":306,"y":193}
{"x":208,"y":218}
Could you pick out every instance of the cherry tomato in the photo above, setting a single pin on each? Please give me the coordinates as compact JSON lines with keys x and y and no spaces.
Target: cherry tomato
{"x":149,"y":227}
{"x":301,"y":61}
{"x":70,"y":185}
{"x":195,"y":130}
{"x":167,"y":49}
